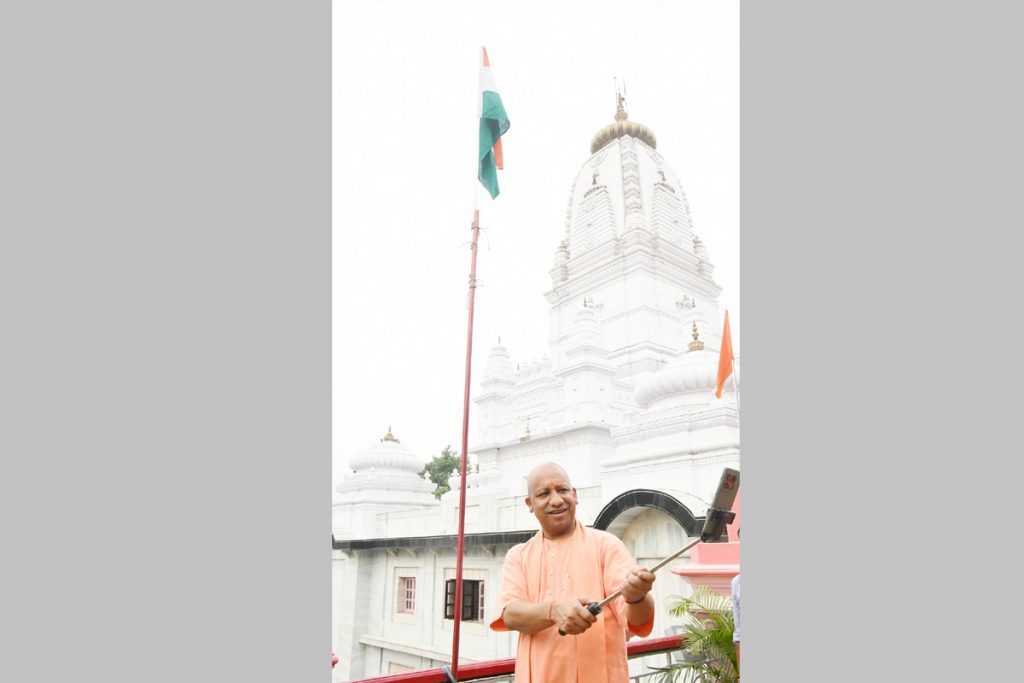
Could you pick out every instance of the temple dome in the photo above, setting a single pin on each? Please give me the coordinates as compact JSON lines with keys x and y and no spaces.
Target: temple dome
{"x":695,"y":371}
{"x":623,"y":127}
{"x":614,"y":131}
{"x":387,"y":469}
{"x":692,"y":376}
{"x":385,"y":480}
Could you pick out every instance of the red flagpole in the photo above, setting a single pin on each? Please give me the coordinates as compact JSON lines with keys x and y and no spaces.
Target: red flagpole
{"x":465,"y":445}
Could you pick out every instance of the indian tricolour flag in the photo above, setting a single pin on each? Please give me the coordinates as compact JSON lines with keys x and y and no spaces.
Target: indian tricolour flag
{"x":493,"y":124}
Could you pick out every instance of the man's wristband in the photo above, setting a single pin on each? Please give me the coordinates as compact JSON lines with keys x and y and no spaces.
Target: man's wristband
{"x":636,"y":602}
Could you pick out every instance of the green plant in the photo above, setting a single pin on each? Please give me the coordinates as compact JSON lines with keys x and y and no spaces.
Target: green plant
{"x":707,"y":654}
{"x":440,"y":468}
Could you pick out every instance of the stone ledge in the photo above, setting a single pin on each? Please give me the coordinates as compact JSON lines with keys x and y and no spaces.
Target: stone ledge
{"x":447,"y":541}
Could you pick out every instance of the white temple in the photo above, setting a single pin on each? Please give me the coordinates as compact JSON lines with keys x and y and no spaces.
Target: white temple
{"x":625,"y":403}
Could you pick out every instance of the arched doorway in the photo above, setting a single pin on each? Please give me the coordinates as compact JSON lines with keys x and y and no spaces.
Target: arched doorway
{"x":653,"y":525}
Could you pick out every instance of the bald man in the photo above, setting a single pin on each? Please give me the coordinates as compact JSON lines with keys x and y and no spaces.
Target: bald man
{"x":548,"y":582}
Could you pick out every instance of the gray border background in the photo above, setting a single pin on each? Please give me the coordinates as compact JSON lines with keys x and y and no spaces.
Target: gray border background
{"x":166,"y":387}
{"x":165,"y":383}
{"x":880,"y":171}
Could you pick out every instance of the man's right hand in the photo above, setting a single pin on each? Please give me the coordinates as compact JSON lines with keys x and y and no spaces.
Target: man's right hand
{"x":572,"y":616}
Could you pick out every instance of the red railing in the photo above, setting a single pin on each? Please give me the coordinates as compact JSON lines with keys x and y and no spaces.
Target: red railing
{"x":499,"y":667}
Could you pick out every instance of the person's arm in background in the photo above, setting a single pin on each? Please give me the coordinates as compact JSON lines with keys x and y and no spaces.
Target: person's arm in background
{"x":736,"y":619}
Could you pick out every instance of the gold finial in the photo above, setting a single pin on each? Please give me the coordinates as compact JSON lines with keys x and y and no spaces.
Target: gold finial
{"x":389,"y":436}
{"x":622,"y":126}
{"x":696,"y":344}
{"x":620,"y":102}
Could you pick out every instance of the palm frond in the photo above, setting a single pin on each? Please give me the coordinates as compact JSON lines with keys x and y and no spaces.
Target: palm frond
{"x":710,"y":656}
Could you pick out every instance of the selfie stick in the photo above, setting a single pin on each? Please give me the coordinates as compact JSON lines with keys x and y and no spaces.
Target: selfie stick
{"x":719,"y":514}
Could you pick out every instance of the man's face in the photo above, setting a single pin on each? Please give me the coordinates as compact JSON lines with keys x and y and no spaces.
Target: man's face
{"x":552,"y":500}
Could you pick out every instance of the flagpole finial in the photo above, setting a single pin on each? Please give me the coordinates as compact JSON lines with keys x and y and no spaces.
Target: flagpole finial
{"x":696,"y":344}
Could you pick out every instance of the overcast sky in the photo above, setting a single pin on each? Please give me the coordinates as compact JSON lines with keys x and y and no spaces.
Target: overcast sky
{"x":404,"y":181}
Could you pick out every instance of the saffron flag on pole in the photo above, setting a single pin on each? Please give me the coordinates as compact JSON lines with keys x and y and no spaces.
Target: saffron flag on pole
{"x":493,"y":124}
{"x":724,"y":358}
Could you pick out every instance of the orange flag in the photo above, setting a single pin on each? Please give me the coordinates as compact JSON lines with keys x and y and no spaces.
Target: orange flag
{"x":724,"y":357}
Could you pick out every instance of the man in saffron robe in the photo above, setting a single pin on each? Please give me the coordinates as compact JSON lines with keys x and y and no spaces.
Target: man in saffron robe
{"x":549,"y":581}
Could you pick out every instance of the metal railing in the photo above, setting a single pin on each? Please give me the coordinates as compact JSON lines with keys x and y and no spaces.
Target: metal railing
{"x":496,"y":670}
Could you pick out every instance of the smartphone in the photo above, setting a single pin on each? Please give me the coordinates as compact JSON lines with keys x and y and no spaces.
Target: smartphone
{"x":720,"y":513}
{"x":728,"y":486}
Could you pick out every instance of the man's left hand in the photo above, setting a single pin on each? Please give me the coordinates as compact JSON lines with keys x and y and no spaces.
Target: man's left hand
{"x":637,"y":584}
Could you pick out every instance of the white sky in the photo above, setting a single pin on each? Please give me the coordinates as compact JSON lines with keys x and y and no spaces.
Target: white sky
{"x":404,"y":179}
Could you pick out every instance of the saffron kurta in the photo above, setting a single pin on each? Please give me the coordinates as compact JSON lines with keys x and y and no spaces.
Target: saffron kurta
{"x":590,"y":564}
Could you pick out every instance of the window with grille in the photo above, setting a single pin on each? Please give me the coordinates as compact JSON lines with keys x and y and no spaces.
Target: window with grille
{"x":405,"y":601}
{"x":472,"y":600}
